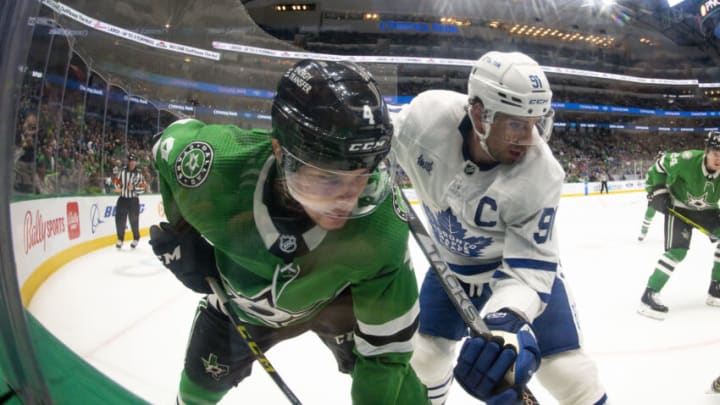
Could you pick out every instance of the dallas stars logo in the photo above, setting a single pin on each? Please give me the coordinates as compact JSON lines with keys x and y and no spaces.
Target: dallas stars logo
{"x":215,"y":369}
{"x":193,"y":164}
{"x":699,"y":203}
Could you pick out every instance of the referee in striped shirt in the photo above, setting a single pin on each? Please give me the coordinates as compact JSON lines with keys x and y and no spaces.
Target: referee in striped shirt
{"x":129,"y":183}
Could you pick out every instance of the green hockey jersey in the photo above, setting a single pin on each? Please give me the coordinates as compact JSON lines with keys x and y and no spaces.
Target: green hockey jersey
{"x":687,"y":178}
{"x":215,"y":177}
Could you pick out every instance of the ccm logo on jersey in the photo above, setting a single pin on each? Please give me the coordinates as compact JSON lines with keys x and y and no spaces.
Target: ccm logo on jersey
{"x":367,"y":146}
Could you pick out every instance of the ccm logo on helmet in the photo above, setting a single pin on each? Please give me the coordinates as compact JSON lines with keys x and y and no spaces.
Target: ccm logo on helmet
{"x":366,"y":146}
{"x":538,"y":101}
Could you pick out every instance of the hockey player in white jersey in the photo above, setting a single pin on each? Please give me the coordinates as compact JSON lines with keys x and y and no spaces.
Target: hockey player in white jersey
{"x":490,"y":188}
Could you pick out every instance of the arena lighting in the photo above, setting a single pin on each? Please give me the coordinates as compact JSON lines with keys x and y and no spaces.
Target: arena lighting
{"x":454,"y":21}
{"x":295,"y":7}
{"x":602,"y":4}
{"x":542,"y":32}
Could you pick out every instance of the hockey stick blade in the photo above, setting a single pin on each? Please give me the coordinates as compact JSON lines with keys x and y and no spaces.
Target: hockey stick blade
{"x":450,"y":283}
{"x":252,"y":345}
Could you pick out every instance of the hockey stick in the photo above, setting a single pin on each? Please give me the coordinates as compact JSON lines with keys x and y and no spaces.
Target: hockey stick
{"x":252,"y":345}
{"x":690,"y":222}
{"x":451,"y":285}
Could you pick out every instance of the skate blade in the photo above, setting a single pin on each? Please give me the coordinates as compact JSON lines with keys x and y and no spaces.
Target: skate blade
{"x":651,"y":313}
{"x":712,"y":301}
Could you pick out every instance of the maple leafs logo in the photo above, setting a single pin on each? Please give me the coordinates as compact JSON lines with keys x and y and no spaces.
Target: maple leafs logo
{"x":450,"y":233}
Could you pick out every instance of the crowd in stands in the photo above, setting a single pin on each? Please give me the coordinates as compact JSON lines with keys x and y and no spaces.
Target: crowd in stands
{"x":587,"y":153}
{"x":70,"y":141}
{"x":80,"y":157}
{"x":77,"y":154}
{"x":67,"y":152}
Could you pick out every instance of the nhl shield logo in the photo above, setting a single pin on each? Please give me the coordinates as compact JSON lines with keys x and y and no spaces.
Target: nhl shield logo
{"x":287,"y":243}
{"x":193,"y":164}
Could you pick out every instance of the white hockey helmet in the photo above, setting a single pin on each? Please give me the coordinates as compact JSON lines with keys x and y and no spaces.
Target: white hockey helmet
{"x":511,"y":83}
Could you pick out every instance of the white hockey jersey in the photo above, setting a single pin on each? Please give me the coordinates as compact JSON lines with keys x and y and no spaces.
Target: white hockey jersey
{"x":492,"y":224}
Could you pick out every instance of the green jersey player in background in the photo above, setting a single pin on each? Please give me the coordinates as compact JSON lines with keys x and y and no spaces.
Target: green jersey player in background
{"x":688,"y":182}
{"x":304,"y":235}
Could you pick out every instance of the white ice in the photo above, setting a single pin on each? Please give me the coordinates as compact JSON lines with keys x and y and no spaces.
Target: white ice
{"x":129,"y":317}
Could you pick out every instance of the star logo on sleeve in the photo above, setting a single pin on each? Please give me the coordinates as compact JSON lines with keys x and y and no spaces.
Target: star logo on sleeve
{"x":215,"y":369}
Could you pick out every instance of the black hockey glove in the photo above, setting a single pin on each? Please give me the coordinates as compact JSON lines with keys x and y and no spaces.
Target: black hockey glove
{"x":187,"y":254}
{"x":660,"y":199}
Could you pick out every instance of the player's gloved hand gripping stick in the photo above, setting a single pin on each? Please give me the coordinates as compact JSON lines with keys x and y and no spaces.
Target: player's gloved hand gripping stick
{"x":192,"y":260}
{"x":470,"y":315}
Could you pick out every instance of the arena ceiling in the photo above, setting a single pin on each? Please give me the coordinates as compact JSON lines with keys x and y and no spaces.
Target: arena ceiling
{"x":199,"y":22}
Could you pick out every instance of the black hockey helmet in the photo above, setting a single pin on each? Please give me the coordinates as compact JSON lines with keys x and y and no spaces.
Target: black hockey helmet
{"x":331,"y":114}
{"x":712,"y":140}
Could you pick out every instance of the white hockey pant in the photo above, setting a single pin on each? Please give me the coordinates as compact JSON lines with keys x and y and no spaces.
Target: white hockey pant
{"x":571,"y":377}
{"x":433,"y":362}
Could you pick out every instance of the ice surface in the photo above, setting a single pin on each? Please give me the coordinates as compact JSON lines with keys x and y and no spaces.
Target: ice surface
{"x":130,"y":318}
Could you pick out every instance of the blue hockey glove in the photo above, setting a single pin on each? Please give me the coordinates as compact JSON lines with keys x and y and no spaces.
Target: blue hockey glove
{"x":660,"y":199}
{"x":496,"y":368}
{"x":187,"y":254}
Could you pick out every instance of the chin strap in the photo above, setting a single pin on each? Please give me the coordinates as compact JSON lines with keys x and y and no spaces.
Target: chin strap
{"x":482,"y":137}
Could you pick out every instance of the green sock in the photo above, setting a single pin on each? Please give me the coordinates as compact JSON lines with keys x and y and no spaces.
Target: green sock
{"x":193,"y":394}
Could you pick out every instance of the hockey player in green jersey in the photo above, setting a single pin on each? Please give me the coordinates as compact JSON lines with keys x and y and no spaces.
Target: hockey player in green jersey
{"x":688,"y":182}
{"x":306,"y":235}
